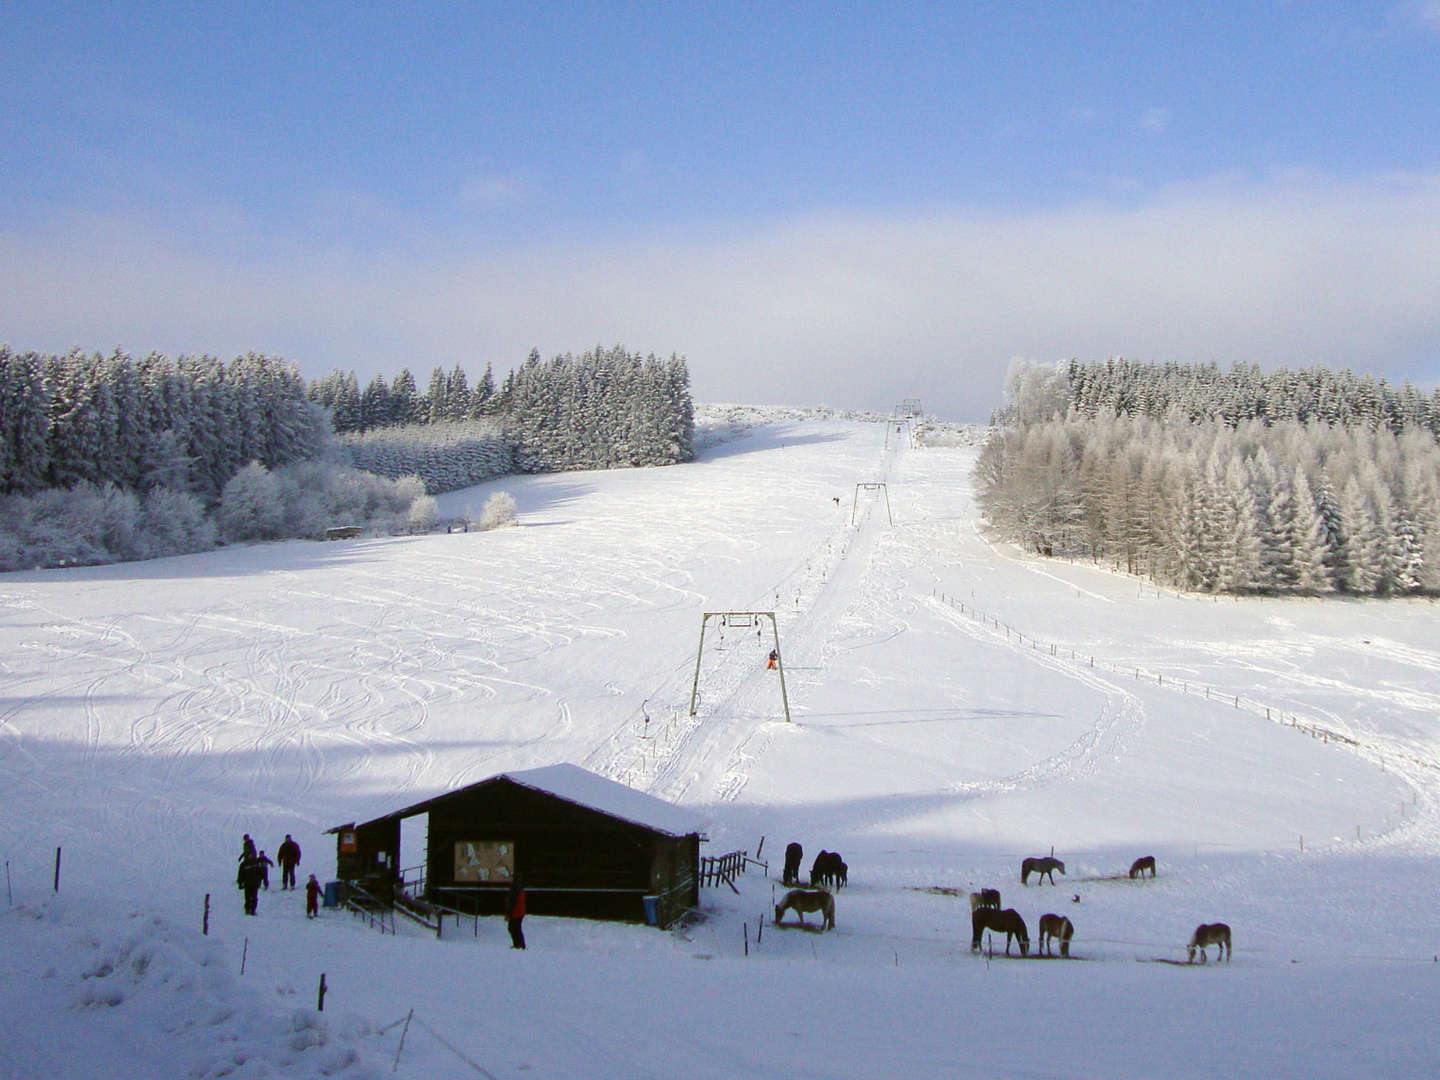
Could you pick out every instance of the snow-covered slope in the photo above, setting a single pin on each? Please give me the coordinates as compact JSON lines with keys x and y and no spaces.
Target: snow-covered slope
{"x":955,"y":707}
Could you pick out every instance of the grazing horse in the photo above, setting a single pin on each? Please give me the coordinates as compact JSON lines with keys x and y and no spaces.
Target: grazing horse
{"x":1046,"y":864}
{"x":828,"y":870}
{"x":1140,"y":865}
{"x":819,"y":869}
{"x":1217,"y":934}
{"x":1007,"y":922}
{"x":986,"y":898}
{"x":793,"y":854}
{"x":803,"y":900}
{"x":1060,"y":929}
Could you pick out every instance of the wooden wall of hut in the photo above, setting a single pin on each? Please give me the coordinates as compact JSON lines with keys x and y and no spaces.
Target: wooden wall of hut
{"x":575,"y":861}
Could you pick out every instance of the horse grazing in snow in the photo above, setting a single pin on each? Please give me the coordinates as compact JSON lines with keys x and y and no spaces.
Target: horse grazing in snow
{"x":803,"y":900}
{"x":986,"y":898}
{"x":793,"y":854}
{"x":1046,"y":864}
{"x":828,"y":870}
{"x":1057,"y":928}
{"x":1140,"y":865}
{"x":1007,"y":922}
{"x":1206,"y":934}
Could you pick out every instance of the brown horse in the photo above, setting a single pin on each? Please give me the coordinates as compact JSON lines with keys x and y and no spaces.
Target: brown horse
{"x":803,"y":900}
{"x":793,"y":854}
{"x":1007,"y":922}
{"x":987,"y":898}
{"x":1060,"y":929}
{"x":1140,"y":865}
{"x":1206,"y":934}
{"x":1046,"y":864}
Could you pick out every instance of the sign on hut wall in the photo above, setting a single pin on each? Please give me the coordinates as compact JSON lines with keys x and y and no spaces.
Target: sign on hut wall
{"x":484,"y":861}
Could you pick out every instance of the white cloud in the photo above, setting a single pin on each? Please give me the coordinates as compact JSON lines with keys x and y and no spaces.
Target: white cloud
{"x":1424,"y":13}
{"x":848,"y":309}
{"x":1154,"y":120}
{"x":486,"y":190}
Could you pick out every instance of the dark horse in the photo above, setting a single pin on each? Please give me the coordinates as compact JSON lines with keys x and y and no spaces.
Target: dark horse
{"x":1057,"y":928}
{"x":793,"y":854}
{"x":828,"y":869}
{"x":1007,"y":922}
{"x":1140,"y":865}
{"x":803,"y":900}
{"x":1046,"y":864}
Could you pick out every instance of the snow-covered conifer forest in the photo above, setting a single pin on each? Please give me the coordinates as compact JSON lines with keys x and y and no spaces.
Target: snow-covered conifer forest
{"x":105,"y":458}
{"x":606,"y":408}
{"x":1307,"y":482}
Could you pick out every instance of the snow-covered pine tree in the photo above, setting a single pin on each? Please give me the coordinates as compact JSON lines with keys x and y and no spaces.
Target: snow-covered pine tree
{"x":434,"y":409}
{"x":375,"y":405}
{"x":403,"y":394}
{"x":1310,"y":553}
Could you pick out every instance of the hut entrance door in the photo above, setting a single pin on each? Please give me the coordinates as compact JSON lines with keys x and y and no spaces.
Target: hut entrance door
{"x":414,"y":836}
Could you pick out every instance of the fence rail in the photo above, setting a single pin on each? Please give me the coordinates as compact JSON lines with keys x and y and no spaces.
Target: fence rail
{"x":723,"y":869}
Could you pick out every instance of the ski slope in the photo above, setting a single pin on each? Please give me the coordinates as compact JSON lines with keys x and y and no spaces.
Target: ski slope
{"x":955,"y":706}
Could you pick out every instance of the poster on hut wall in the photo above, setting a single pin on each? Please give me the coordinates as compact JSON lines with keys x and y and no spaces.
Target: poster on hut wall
{"x":482,"y":862}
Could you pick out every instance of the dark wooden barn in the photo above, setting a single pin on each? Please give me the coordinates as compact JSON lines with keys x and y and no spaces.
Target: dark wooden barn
{"x":586,"y":846}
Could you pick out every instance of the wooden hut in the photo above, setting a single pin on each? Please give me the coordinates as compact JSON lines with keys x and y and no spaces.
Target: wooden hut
{"x":586,"y":846}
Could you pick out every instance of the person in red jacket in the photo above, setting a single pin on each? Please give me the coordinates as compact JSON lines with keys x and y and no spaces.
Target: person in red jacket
{"x":515,"y":912}
{"x":312,"y":898}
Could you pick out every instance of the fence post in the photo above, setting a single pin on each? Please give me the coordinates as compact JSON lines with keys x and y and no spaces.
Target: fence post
{"x":205,"y":922}
{"x":320,"y":1005}
{"x":57,"y":869}
{"x":403,"y":1032}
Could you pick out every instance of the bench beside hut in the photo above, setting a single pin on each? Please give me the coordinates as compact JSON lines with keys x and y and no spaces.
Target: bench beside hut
{"x":586,"y":845}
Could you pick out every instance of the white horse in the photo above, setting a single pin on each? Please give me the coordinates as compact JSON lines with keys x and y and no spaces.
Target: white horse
{"x":803,"y":900}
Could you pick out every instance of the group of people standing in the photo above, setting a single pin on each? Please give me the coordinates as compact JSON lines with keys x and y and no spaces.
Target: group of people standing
{"x":254,"y":874}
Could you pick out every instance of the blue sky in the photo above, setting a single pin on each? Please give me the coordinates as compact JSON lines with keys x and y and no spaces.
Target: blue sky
{"x":848,"y":203}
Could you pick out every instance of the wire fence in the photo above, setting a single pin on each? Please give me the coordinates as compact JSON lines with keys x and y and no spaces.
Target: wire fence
{"x":1241,"y":702}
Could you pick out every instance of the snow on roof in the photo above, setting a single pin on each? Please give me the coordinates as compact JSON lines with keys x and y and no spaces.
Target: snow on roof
{"x":585,"y":788}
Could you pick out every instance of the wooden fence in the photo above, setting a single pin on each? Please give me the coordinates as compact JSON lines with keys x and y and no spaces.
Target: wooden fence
{"x":724,"y":869}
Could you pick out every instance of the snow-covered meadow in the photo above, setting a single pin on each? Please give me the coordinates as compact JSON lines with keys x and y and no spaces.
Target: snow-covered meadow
{"x":956,"y":706}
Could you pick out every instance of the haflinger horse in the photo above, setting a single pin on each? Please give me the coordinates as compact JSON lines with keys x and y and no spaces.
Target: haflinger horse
{"x":1060,"y":929}
{"x":1046,"y":864}
{"x":986,"y":898}
{"x":793,"y":854}
{"x":1140,"y":865}
{"x":803,"y":900}
{"x":1217,"y":934}
{"x":1007,"y":922}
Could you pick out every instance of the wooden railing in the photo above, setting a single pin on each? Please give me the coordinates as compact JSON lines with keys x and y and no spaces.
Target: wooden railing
{"x":717,"y":869}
